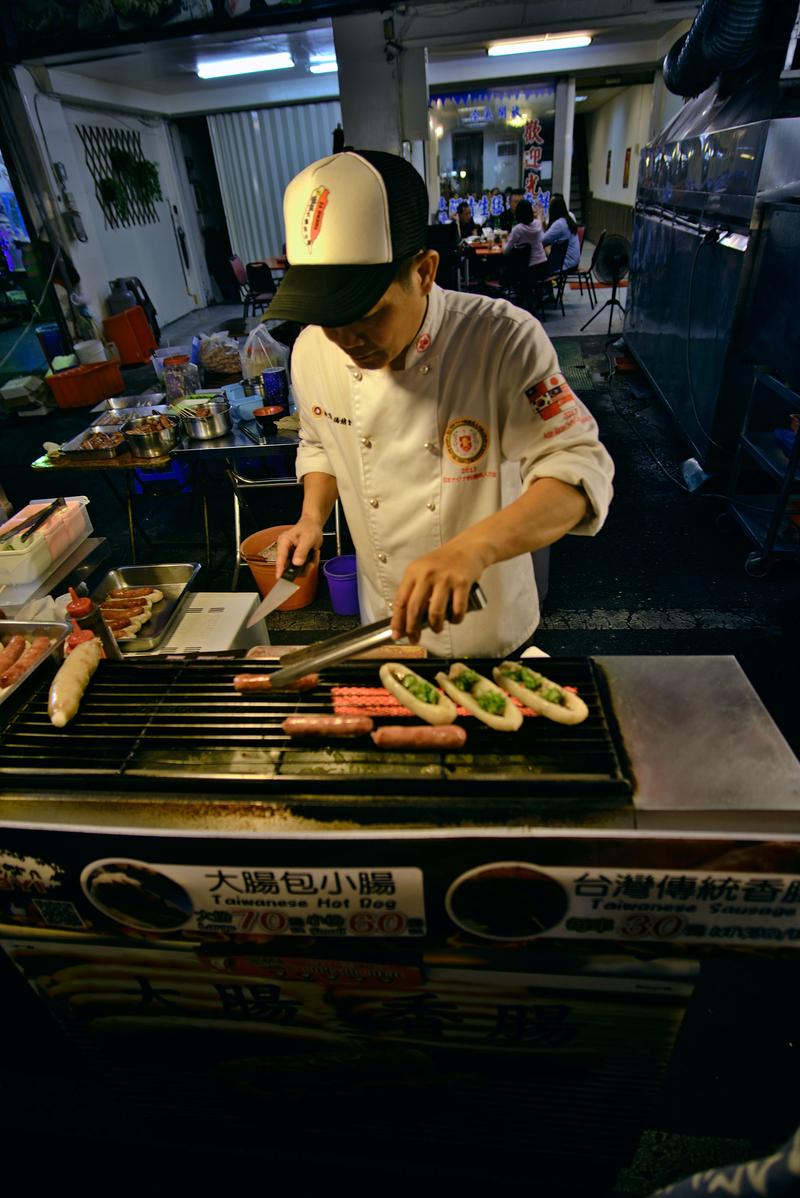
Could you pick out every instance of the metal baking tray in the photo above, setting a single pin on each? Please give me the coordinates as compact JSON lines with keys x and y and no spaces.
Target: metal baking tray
{"x":74,"y":448}
{"x":117,"y":403}
{"x":57,"y":632}
{"x":175,"y":581}
{"x":120,"y":418}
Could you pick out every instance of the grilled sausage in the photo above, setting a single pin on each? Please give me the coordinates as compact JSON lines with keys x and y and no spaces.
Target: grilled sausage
{"x":421,"y":697}
{"x":152,"y":594}
{"x":396,"y":736}
{"x":66,"y":690}
{"x":37,"y":648}
{"x":540,"y":694}
{"x":327,"y":725}
{"x":263,"y":682}
{"x":14,"y":649}
{"x":481,"y":698}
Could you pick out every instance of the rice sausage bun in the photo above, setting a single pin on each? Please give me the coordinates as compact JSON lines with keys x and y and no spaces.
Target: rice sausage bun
{"x":481,"y":697}
{"x":421,"y":697}
{"x":66,"y":690}
{"x":540,"y":694}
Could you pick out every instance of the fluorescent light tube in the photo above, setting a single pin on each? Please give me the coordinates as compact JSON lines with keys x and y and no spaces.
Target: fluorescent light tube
{"x":323,"y":68}
{"x":248,"y":65}
{"x":567,"y":41}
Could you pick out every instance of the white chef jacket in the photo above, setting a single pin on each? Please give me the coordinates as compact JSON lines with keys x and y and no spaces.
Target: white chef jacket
{"x":420,"y":454}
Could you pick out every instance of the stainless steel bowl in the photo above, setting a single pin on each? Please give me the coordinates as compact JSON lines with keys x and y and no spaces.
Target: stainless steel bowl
{"x":145,"y":442}
{"x":206,"y":428}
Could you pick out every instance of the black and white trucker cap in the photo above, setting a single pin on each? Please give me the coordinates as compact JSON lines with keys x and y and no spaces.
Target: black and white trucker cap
{"x":350,"y":220}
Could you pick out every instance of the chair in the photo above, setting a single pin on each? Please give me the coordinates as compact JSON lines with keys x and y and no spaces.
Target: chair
{"x":255,"y":283}
{"x":519,"y":279}
{"x":556,"y":276}
{"x":444,"y":239}
{"x":584,"y":274}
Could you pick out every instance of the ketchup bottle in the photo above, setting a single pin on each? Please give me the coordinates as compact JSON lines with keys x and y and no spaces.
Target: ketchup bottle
{"x":87,"y":616}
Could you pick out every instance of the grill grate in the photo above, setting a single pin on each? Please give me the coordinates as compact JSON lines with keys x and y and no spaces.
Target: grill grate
{"x":149,"y":726}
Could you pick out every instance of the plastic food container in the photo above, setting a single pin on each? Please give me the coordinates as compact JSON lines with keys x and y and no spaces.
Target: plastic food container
{"x":207,"y":419}
{"x":34,"y":560}
{"x":83,"y":386}
{"x":151,"y":436}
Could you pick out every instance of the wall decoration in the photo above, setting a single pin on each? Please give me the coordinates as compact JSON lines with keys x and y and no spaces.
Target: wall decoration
{"x":126,"y":184}
{"x":608,"y":169}
{"x":626,"y":170}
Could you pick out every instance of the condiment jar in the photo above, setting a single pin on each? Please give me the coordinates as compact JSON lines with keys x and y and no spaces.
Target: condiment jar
{"x":87,"y":615}
{"x":180,"y":377}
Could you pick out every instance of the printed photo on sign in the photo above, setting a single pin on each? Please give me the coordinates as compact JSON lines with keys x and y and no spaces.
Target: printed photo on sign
{"x":550,"y":396}
{"x":466,"y":441}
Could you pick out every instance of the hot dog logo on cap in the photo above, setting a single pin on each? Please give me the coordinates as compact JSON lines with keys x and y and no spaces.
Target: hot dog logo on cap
{"x":466,"y":441}
{"x":312,"y":217}
{"x":550,"y":396}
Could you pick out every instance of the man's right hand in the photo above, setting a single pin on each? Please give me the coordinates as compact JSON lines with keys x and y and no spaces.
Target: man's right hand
{"x":297,"y":543}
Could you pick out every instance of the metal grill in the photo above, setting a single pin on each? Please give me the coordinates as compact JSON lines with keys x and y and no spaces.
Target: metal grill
{"x":98,"y":143}
{"x":152,"y":726}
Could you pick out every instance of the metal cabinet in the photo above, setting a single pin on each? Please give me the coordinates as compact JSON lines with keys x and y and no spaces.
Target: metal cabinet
{"x":770,"y":443}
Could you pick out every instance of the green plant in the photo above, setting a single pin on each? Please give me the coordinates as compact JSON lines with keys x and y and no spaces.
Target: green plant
{"x":136,"y":178}
{"x":114,"y":195}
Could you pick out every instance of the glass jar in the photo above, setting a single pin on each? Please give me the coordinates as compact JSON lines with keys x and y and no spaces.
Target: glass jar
{"x":180,"y":378}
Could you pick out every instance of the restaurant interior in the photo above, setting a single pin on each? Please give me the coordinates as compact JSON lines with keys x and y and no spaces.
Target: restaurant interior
{"x":145,"y":146}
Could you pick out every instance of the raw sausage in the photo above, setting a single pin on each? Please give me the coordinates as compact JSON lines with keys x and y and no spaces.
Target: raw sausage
{"x":397,"y":736}
{"x":14,"y":649}
{"x":263,"y":682}
{"x":125,"y":605}
{"x":327,"y":725}
{"x":152,"y":594}
{"x":37,"y":648}
{"x":71,"y":681}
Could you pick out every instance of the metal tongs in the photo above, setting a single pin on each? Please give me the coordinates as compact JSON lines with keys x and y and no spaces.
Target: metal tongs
{"x":32,"y":523}
{"x":348,"y":644}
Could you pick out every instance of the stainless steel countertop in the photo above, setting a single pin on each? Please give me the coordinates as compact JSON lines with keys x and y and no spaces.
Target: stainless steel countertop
{"x":705,"y":754}
{"x":237,"y":442}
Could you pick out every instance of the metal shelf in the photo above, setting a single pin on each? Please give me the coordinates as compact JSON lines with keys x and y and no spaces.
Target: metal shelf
{"x":754,"y":513}
{"x":766,"y":452}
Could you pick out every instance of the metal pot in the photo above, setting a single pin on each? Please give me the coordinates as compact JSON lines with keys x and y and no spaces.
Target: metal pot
{"x":147,"y":441}
{"x":206,"y":427}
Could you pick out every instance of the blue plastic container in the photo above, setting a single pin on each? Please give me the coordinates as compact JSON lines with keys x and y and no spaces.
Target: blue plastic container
{"x":342,"y":579}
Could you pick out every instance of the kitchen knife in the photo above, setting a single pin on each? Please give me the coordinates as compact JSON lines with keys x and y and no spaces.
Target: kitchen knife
{"x":284,"y":588}
{"x":348,"y":644}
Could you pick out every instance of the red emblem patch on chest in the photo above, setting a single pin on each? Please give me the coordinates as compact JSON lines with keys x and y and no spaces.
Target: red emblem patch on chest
{"x":423,"y":343}
{"x":550,"y":396}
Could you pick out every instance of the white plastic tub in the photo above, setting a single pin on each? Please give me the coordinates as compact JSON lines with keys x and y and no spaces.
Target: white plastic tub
{"x":63,"y":531}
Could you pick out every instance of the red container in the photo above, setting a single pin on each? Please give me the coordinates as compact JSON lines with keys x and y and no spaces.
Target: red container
{"x":84,"y":386}
{"x":132,"y":335}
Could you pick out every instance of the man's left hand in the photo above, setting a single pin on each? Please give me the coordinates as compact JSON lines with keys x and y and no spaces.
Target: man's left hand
{"x":436,"y":585}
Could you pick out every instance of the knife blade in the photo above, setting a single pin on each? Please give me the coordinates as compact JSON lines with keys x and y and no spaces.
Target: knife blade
{"x":283,"y":589}
{"x":348,"y":644}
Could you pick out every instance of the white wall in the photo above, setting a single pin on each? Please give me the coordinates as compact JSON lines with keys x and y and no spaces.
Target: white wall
{"x":149,"y":252}
{"x":621,"y":122}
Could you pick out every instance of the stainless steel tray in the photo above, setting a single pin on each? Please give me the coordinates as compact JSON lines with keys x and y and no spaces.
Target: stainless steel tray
{"x":57,"y":632}
{"x":175,"y":581}
{"x":119,"y":403}
{"x":74,"y":448}
{"x":118,"y":418}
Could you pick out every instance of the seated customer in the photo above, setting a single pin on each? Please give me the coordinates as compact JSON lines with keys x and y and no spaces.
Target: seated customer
{"x":528,"y":232}
{"x":563,"y":227}
{"x":466,"y":225}
{"x":512,"y":198}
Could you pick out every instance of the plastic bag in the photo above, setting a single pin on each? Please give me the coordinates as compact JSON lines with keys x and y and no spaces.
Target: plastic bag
{"x":262,"y":352}
{"x":219,"y":354}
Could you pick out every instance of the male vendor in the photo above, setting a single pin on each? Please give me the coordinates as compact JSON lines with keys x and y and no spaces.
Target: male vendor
{"x":439,"y":418}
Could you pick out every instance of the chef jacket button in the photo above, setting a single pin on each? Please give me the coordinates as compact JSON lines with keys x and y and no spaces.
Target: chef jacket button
{"x":374,"y":502}
{"x":430,"y":446}
{"x":431,"y":507}
{"x":365,"y":441}
{"x":424,"y":369}
{"x":357,"y":375}
{"x":381,"y":557}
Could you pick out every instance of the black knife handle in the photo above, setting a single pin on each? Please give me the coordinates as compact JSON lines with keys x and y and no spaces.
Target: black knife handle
{"x":292,"y":572}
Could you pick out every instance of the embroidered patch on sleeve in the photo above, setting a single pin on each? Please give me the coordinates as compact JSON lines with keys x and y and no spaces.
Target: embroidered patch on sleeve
{"x":549,"y":397}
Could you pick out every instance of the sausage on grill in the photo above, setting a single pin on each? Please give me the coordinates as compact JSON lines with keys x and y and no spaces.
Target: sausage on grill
{"x":327,"y":725}
{"x":263,"y":682}
{"x":37,"y":648}
{"x":14,"y":649}
{"x":443,"y":736}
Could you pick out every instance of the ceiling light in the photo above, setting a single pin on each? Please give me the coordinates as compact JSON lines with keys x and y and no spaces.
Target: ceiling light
{"x":532,"y":45}
{"x":248,"y":65}
{"x":323,"y":68}
{"x":439,"y":130}
{"x":580,"y":99}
